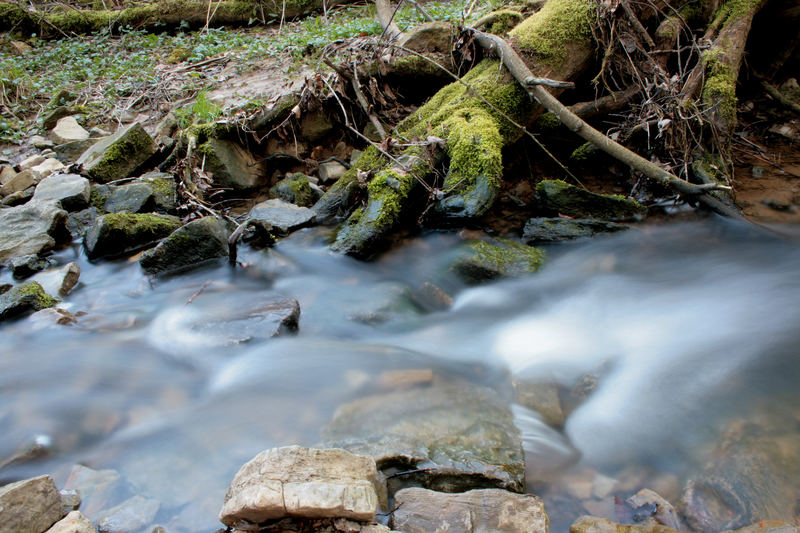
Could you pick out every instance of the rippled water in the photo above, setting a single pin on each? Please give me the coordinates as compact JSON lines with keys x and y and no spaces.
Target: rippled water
{"x":685,"y":327}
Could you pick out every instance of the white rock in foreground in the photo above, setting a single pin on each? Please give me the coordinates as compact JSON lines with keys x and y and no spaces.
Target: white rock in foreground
{"x":302,"y":482}
{"x":74,"y":522}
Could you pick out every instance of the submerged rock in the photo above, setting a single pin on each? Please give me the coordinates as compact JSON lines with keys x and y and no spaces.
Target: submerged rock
{"x":282,"y":216}
{"x":461,"y":436}
{"x":131,"y":516}
{"x":542,"y":398}
{"x":754,"y":475}
{"x":74,"y":522}
{"x":70,"y":191}
{"x":31,"y":505}
{"x":498,"y":258}
{"x":476,"y":511}
{"x":24,"y":298}
{"x":119,"y":233}
{"x":560,"y":197}
{"x":187,"y":247}
{"x":117,"y":156}
{"x":232,"y":166}
{"x":302,"y":482}
{"x":59,"y":281}
{"x":592,"y":524}
{"x":247,"y":323}
{"x":564,"y":229}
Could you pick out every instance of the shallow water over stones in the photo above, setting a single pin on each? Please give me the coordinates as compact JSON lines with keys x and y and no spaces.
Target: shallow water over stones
{"x":657,"y":342}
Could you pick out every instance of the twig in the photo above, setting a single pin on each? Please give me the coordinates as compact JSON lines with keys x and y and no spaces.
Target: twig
{"x":778,"y":96}
{"x":199,"y":292}
{"x":421,"y":10}
{"x":362,"y":100}
{"x":415,"y":471}
{"x":638,"y":25}
{"x":520,"y":71}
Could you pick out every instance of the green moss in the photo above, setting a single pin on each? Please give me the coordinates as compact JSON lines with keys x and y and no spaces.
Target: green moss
{"x":719,"y":89}
{"x":412,"y":65}
{"x":584,"y":153}
{"x":98,"y":196}
{"x":42,"y":299}
{"x":501,"y":257}
{"x":733,"y":10}
{"x":561,"y":197}
{"x":559,"y":23}
{"x":140,"y":223}
{"x":122,"y":156}
{"x":503,"y":20}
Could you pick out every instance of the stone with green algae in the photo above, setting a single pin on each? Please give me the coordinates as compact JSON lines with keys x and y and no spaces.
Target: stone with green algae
{"x":188,"y":247}
{"x":119,"y":233}
{"x":295,"y":189}
{"x":23,"y":299}
{"x":486,"y":260}
{"x":560,"y":197}
{"x":117,"y":156}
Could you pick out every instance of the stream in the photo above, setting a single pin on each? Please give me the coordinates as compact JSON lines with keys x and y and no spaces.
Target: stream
{"x":685,"y":327}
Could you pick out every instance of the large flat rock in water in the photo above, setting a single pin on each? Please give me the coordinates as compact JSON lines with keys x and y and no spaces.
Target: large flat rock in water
{"x":302,"y":482}
{"x":463,"y":436}
{"x":282,"y":216}
{"x":31,"y":228}
{"x":499,"y":511}
{"x":31,"y":505}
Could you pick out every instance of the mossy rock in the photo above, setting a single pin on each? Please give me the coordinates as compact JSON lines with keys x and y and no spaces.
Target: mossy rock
{"x":117,"y":156}
{"x":559,"y":197}
{"x":23,"y":299}
{"x":164,"y":190}
{"x":566,"y":229}
{"x":483,"y":261}
{"x":295,"y":189}
{"x":120,"y":233}
{"x":190,"y":246}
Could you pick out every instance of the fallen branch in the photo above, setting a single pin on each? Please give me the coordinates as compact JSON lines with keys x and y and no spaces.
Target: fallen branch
{"x":517,"y":67}
{"x":778,"y":96}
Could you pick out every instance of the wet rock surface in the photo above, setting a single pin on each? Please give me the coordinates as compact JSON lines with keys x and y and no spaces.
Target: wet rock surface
{"x":282,"y":216}
{"x":130,"y":516}
{"x":560,"y":197}
{"x":487,"y":260}
{"x":564,"y":229}
{"x":119,"y":233}
{"x":486,"y":510}
{"x":31,"y":505}
{"x":295,"y":189}
{"x":458,"y":436}
{"x":188,"y":247}
{"x":302,"y":482}
{"x":23,"y":299}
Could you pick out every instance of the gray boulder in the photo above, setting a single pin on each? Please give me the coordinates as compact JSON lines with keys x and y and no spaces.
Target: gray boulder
{"x":187,"y":247}
{"x":560,"y":197}
{"x":24,"y":266}
{"x":71,"y":151}
{"x":464,"y":433}
{"x":70,"y":191}
{"x":32,"y":228}
{"x":302,"y":482}
{"x":232,"y":166}
{"x":164,"y":190}
{"x":18,"y":198}
{"x":295,"y":189}
{"x":31,"y":505}
{"x":476,"y":511}
{"x":331,"y":171}
{"x":25,"y":298}
{"x":119,"y":233}
{"x":130,"y":198}
{"x":558,"y":229}
{"x":117,"y":156}
{"x":68,"y":130}
{"x":282,"y":216}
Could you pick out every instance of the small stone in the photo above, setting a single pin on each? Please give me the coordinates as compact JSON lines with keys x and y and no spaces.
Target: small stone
{"x":281,"y":216}
{"x":117,"y":156}
{"x":20,"y":47}
{"x":19,"y":183}
{"x":98,"y":488}
{"x":346,"y":526}
{"x":59,"y":281}
{"x":19,"y":198}
{"x":120,"y":233}
{"x":665,"y":513}
{"x":486,"y":260}
{"x":542,"y":398}
{"x":6,"y":173}
{"x":31,"y":505}
{"x":71,"y":151}
{"x":131,"y":516}
{"x":71,"y":500}
{"x":603,"y":486}
{"x":25,"y":298}
{"x":78,"y":222}
{"x":25,"y":266}
{"x":74,"y":522}
{"x":302,"y":482}
{"x":31,"y":162}
{"x":485,"y":510}
{"x":397,"y":379}
{"x":46,"y":167}
{"x":331,"y":171}
{"x":70,"y":191}
{"x":591,"y":524}
{"x":37,"y":141}
{"x":68,"y":130}
{"x":188,"y":247}
{"x":315,"y":125}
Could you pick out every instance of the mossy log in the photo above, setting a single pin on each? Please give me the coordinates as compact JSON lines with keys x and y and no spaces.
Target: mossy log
{"x":160,"y":15}
{"x":471,"y":118}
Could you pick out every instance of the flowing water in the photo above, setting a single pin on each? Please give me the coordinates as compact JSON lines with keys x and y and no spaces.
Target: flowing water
{"x":684,"y":326}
